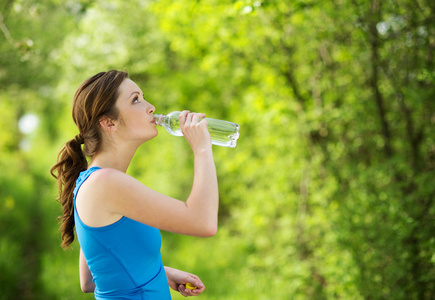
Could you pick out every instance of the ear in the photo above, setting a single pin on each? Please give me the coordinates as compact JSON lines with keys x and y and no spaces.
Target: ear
{"x":107,"y":123}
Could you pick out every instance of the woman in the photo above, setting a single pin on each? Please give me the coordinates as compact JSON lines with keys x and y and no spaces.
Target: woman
{"x":117,"y":218}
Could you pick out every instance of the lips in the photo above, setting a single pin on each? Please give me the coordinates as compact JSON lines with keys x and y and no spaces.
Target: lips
{"x":157,"y":119}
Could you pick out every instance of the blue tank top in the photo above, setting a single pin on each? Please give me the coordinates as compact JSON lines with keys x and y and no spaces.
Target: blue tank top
{"x":123,"y":257}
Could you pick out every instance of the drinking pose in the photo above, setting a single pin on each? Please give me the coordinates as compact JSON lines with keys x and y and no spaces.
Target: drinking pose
{"x":117,"y":218}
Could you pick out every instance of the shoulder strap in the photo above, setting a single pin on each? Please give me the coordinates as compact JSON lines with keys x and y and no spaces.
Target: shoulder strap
{"x":82,"y":178}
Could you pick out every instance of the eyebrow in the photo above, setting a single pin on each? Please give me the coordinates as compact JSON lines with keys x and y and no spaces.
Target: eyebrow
{"x":135,"y":92}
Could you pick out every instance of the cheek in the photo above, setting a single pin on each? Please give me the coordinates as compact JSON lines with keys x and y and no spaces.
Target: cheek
{"x":135,"y":121}
{"x":137,"y":125}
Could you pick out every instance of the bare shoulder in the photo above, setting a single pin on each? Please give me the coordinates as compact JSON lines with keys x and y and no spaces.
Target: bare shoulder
{"x":112,"y":185}
{"x":106,"y":184}
{"x":99,"y":194}
{"x":110,"y":178}
{"x":107,"y":173}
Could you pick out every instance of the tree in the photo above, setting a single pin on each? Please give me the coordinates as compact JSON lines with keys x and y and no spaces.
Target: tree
{"x":329,"y":191}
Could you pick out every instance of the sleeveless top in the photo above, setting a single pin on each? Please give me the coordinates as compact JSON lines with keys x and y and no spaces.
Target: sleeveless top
{"x":123,"y":257}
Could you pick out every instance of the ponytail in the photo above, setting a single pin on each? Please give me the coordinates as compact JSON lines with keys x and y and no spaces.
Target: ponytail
{"x":96,"y":97}
{"x":70,"y":162}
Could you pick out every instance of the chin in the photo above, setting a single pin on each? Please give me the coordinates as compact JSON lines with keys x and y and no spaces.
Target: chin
{"x":151,"y":136}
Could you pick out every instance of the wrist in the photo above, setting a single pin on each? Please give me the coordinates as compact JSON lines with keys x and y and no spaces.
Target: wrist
{"x":206,"y":151}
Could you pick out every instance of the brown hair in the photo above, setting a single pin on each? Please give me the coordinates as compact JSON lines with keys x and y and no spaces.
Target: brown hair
{"x":96,"y":97}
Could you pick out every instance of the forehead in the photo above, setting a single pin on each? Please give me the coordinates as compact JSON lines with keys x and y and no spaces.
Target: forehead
{"x":127,"y":87}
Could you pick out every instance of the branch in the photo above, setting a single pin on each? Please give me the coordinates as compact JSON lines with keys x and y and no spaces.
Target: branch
{"x":414,"y":138}
{"x":374,"y":44}
{"x":6,"y":8}
{"x":5,"y":31}
{"x":291,"y":80}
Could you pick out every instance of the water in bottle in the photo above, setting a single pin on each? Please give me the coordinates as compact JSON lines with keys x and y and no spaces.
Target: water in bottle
{"x":223,"y":133}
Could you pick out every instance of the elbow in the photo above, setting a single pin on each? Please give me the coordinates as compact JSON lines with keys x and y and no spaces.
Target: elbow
{"x":87,"y":288}
{"x":210,"y":231}
{"x":84,"y":289}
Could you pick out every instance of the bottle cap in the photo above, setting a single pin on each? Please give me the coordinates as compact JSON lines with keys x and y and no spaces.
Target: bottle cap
{"x":158,"y":119}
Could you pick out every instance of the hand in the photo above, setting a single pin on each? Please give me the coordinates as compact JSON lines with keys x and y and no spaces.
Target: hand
{"x":177,"y":281}
{"x":194,"y":129}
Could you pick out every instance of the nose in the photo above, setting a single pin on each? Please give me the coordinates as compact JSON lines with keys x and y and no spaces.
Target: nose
{"x":151,"y":109}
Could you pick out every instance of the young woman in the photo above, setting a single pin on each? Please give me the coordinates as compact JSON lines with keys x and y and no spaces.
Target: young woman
{"x":117,"y":218}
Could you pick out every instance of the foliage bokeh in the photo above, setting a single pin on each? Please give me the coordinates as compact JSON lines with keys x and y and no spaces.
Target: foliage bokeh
{"x":330,"y":190}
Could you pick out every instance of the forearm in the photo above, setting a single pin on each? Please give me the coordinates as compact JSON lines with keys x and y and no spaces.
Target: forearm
{"x":204,"y":198}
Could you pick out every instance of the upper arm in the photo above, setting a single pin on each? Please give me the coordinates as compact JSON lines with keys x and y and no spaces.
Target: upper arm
{"x":122,"y":194}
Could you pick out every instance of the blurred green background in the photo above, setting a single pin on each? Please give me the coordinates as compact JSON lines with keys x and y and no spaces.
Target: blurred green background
{"x":330,"y":191}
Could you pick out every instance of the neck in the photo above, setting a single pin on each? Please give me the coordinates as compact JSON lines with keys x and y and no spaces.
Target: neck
{"x":118,"y":158}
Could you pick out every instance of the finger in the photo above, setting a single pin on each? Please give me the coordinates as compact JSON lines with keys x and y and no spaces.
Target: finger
{"x":188,"y":120}
{"x":182,"y":117}
{"x":195,"y":281}
{"x":188,"y":293}
{"x":204,"y":123}
{"x":200,"y":116}
{"x":183,"y":290}
{"x":196,"y":292}
{"x":196,"y":118}
{"x":183,"y":114}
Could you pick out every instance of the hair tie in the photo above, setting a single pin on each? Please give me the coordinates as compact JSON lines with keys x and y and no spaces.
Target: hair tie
{"x":79,"y":139}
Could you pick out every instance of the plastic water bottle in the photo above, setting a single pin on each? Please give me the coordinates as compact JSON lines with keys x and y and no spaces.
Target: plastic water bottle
{"x":223,"y":133}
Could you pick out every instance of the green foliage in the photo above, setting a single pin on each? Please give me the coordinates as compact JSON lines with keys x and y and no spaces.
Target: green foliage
{"x":329,"y":192}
